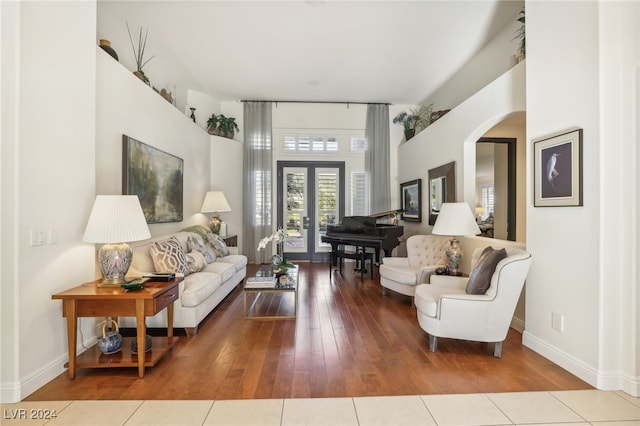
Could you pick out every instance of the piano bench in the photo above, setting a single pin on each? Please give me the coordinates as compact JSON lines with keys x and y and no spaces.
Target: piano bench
{"x":361,"y":257}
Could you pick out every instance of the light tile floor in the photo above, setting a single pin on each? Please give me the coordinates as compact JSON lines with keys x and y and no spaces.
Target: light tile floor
{"x":566,"y":408}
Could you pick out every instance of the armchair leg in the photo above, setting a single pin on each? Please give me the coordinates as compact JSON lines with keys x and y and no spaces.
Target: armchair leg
{"x":384,"y":291}
{"x":497,"y":351}
{"x":433,"y":343}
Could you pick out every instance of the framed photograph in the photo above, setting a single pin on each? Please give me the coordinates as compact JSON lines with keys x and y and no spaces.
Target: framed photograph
{"x":411,"y":196}
{"x":155,"y":177}
{"x":557,"y":170}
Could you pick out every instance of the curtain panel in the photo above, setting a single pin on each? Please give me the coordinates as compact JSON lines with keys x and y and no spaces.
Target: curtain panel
{"x":377,"y":157}
{"x":257,"y":165}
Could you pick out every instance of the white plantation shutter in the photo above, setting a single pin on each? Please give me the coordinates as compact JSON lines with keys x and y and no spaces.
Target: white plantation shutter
{"x":359,"y":194}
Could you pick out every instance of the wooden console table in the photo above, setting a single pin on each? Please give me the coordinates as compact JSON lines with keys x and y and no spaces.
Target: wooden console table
{"x":89,"y":300}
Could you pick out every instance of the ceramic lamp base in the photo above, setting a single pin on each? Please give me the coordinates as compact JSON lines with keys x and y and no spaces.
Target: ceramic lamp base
{"x":114,"y":260}
{"x":454,"y":255}
{"x":214,"y":225}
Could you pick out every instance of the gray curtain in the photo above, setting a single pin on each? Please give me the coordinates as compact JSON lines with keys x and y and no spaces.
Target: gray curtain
{"x":376,"y":157}
{"x":257,"y":222}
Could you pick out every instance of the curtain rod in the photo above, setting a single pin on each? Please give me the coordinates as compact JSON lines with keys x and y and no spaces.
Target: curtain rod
{"x":317,"y":102}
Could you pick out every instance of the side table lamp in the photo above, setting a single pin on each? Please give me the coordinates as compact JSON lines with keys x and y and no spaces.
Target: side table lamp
{"x":115,"y":219}
{"x":215,"y":202}
{"x":455,"y":220}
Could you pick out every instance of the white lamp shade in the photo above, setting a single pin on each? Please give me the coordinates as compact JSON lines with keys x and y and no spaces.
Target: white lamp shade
{"x":455,"y":219}
{"x":215,"y":201}
{"x":116,"y":219}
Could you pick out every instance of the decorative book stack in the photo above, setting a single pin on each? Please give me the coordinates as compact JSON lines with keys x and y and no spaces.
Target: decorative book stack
{"x":260,"y":282}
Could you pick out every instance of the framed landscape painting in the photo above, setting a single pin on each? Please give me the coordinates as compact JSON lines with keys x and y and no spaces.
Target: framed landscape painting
{"x":557,"y":170}
{"x":156,"y":177}
{"x":411,"y":199}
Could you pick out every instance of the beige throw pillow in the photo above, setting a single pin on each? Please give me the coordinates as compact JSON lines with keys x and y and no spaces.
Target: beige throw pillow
{"x":480,"y":278}
{"x":168,"y":256}
{"x":195,"y":261}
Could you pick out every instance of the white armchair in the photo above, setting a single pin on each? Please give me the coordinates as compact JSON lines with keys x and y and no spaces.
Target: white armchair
{"x":446,"y":310}
{"x":425,"y":253}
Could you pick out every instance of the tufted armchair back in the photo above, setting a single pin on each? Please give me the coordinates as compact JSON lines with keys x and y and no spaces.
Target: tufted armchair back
{"x":424,"y":250}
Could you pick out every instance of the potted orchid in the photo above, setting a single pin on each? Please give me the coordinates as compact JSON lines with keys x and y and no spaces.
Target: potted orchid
{"x":280,"y":263}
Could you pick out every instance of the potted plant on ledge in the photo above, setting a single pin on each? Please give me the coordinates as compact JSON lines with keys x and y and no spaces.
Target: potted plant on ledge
{"x":139,"y":54}
{"x":220,"y":125}
{"x":414,"y":120}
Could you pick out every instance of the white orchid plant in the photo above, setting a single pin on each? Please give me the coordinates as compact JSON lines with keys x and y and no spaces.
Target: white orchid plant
{"x":279,"y":261}
{"x":277,"y":237}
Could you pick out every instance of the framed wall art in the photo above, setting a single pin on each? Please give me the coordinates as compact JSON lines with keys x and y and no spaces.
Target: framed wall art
{"x":156,"y":177}
{"x":411,"y":196}
{"x":557,"y":168}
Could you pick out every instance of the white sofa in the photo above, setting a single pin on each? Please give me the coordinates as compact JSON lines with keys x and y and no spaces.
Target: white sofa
{"x":199,"y":293}
{"x":425,"y":253}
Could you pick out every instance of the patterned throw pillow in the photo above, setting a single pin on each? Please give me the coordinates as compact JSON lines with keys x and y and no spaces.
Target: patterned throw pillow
{"x":168,"y":256}
{"x":195,"y":261}
{"x":217,"y":244}
{"x":194,"y":242}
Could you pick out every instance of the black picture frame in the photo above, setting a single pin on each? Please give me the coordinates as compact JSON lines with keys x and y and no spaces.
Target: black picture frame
{"x":156,"y":177}
{"x":557,"y":168}
{"x":411,"y":200}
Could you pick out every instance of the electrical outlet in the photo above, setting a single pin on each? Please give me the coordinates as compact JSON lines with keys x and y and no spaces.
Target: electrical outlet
{"x":557,"y":321}
{"x":52,"y":237}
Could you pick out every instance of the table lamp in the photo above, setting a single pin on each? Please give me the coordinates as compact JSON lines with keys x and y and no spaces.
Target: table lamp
{"x":455,"y":220}
{"x":215,"y":202}
{"x":115,"y":220}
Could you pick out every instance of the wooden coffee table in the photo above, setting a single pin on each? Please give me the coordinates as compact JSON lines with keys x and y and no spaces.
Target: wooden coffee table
{"x":89,"y":300}
{"x":287,"y":285}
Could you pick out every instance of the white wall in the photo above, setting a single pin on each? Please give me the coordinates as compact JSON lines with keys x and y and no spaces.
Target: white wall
{"x":48,"y":134}
{"x":481,"y":70}
{"x":454,"y":136}
{"x":585,"y":258}
{"x":125,"y":105}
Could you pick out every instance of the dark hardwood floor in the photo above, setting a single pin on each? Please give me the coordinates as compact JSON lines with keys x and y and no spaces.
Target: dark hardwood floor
{"x":348,"y":340}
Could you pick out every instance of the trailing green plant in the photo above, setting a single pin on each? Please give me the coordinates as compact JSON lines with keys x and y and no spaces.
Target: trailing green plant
{"x":222,"y":126}
{"x":139,"y":53}
{"x":521,"y":34}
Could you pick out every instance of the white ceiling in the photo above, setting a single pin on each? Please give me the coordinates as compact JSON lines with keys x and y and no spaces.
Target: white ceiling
{"x":315,"y":50}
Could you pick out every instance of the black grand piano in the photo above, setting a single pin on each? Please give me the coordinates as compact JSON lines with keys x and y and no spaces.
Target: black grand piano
{"x":363,"y":232}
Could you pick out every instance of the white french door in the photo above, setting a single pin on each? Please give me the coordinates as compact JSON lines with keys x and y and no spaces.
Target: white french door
{"x":310,"y":196}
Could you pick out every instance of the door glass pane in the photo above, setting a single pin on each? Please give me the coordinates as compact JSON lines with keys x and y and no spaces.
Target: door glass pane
{"x":327,"y":208}
{"x":295,"y":200}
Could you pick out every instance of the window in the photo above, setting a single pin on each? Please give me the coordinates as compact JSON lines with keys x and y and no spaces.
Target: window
{"x":359,"y":194}
{"x":263,"y":197}
{"x":487,"y":201}
{"x":307,"y":143}
{"x":358,"y":144}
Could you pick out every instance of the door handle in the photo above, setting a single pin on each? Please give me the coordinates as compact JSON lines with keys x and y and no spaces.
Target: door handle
{"x":305,"y":222}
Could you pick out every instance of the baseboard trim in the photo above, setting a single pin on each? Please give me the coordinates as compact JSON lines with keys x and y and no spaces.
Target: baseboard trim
{"x":561,"y":358}
{"x":517,"y":324}
{"x":602,"y":380}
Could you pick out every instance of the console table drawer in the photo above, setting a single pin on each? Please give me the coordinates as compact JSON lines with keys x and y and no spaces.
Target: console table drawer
{"x":165,"y":299}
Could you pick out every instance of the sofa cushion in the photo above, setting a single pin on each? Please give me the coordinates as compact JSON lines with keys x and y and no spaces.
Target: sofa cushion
{"x":225,"y":270}
{"x":480,"y":277}
{"x":427,"y":297}
{"x":197,"y":287}
{"x":238,"y":260}
{"x":168,"y":256}
{"x":195,"y":261}
{"x":195,"y":242}
{"x":403,"y":274}
{"x":217,"y":244}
